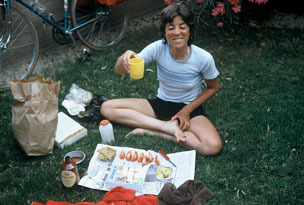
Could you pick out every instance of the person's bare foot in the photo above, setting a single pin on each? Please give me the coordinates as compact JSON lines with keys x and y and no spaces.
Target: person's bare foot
{"x":138,"y":131}
{"x":172,"y":128}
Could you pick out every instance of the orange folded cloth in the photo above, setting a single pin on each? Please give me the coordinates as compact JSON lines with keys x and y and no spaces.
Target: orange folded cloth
{"x":116,"y":196}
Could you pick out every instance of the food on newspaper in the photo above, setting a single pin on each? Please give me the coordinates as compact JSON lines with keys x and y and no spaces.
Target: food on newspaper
{"x":163,"y":172}
{"x":129,"y":155}
{"x":132,"y":168}
{"x":150,"y":157}
{"x":145,"y":161}
{"x":141,"y":158}
{"x":157,"y":160}
{"x":106,"y":154}
{"x":134,"y":157}
{"x":139,"y":172}
{"x":122,"y":155}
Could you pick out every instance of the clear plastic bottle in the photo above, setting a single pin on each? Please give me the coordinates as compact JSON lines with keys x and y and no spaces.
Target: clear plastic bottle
{"x":69,"y":173}
{"x":106,"y":131}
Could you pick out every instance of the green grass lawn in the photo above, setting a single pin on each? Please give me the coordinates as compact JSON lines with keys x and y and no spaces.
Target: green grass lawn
{"x":258,"y":111}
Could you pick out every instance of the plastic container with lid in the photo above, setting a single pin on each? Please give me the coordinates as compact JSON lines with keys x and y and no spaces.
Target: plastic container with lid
{"x":106,"y":131}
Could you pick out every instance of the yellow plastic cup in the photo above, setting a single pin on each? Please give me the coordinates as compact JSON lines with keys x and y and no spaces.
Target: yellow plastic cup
{"x":136,"y":68}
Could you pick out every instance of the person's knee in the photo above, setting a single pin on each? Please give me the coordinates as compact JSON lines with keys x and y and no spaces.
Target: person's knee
{"x":105,"y":109}
{"x":211,"y":147}
{"x":216,"y":146}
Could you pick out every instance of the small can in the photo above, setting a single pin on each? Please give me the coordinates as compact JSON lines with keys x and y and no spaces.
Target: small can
{"x":106,"y":131}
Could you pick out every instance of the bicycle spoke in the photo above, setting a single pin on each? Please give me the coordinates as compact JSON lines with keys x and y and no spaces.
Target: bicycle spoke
{"x":4,"y":33}
{"x":15,"y":38}
{"x":20,"y":56}
{"x":90,"y":36}
{"x":101,"y":33}
{"x":1,"y":60}
{"x":21,"y":46}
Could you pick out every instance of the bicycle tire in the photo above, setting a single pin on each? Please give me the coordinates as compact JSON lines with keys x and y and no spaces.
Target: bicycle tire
{"x":19,"y":58}
{"x":104,"y":32}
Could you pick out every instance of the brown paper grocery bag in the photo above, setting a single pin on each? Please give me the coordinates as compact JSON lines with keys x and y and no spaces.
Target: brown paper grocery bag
{"x":35,"y":114}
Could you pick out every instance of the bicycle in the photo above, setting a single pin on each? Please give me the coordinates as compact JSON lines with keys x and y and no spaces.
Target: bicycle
{"x":96,"y":25}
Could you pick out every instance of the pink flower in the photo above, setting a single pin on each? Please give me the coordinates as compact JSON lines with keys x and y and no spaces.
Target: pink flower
{"x":220,"y":24}
{"x":168,"y":2}
{"x":261,"y":1}
{"x":200,"y":1}
{"x":223,"y":11}
{"x":236,"y":8}
{"x":233,"y":2}
{"x":214,"y":12}
{"x":218,"y":10}
{"x":221,"y":5}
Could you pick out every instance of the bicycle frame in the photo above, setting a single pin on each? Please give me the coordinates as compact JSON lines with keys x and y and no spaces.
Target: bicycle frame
{"x":6,"y":32}
{"x":63,"y":29}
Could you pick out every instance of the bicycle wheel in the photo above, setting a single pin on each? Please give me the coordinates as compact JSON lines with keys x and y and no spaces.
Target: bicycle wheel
{"x":19,"y":57}
{"x":106,"y":30}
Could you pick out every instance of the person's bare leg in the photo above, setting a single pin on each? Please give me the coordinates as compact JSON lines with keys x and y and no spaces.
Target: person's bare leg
{"x":201,"y":136}
{"x":141,"y":131}
{"x":138,"y":113}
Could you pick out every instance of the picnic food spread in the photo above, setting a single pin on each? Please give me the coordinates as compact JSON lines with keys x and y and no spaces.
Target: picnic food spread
{"x":142,"y":158}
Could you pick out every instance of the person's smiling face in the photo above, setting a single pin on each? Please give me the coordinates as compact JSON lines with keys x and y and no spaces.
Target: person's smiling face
{"x":177,"y":33}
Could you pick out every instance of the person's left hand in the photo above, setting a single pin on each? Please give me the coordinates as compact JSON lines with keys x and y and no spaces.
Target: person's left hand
{"x":184,"y":119}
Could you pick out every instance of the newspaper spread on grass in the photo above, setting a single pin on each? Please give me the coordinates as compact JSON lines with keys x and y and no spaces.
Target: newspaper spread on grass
{"x":147,"y":175}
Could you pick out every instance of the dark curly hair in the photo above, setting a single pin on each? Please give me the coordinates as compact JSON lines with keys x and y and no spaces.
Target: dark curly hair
{"x":173,"y":10}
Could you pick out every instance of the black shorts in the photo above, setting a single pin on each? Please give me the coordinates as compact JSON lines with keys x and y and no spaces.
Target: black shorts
{"x":164,"y":110}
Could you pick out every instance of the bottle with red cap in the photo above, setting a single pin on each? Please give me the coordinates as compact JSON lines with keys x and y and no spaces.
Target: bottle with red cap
{"x":106,"y":131}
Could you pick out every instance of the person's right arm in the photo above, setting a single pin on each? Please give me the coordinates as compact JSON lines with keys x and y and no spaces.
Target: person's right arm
{"x":122,"y":64}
